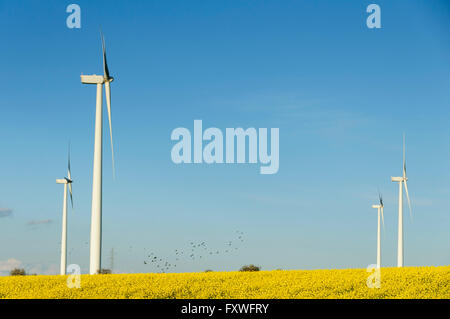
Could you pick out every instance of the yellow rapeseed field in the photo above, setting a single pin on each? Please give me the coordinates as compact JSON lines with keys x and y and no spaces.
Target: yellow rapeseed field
{"x":410,"y":282}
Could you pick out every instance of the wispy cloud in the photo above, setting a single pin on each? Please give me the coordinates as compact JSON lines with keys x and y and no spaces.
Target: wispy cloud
{"x":5,"y":212}
{"x":39,"y":222}
{"x":42,"y":269}
{"x":31,"y":268}
{"x":9,"y":264}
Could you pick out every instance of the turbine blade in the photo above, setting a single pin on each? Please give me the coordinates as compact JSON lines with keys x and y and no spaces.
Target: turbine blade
{"x":105,"y":62}
{"x":404,"y":169}
{"x":409,"y":201}
{"x":404,"y":155}
{"x":70,"y":192}
{"x":69,"y":176}
{"x":108,"y":104}
{"x":381,"y":200}
{"x":68,"y":164}
{"x":382,"y":215}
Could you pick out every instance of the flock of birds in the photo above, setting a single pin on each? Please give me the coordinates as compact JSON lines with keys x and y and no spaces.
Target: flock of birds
{"x":194,"y":251}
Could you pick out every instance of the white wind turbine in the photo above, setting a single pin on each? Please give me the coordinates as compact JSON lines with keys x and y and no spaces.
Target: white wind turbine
{"x":401,"y":181}
{"x":380,"y":208}
{"x":96,"y":212}
{"x":66,"y":181}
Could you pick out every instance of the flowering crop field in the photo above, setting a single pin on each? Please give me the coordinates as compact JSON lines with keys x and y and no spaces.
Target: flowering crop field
{"x":408,"y":282}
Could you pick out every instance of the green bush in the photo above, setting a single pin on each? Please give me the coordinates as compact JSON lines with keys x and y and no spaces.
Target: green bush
{"x":250,"y":268}
{"x":18,"y":272}
{"x":104,"y":271}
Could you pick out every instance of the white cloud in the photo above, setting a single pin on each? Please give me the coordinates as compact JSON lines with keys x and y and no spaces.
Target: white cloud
{"x":8,"y":265}
{"x":41,"y":269}
{"x":39,"y":222}
{"x":5,"y":212}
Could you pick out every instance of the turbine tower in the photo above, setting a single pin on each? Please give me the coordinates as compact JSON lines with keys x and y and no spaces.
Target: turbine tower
{"x":380,"y":208}
{"x":401,"y":181}
{"x":96,"y":211}
{"x":66,"y":181}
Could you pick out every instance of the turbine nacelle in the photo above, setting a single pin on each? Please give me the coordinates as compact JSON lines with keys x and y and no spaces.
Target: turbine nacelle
{"x":399,"y":179}
{"x":380,"y":208}
{"x":67,"y":180}
{"x":63,"y":181}
{"x":94,"y":79}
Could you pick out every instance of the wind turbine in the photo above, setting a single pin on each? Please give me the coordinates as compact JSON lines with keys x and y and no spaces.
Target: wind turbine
{"x":96,"y":211}
{"x":66,"y":181}
{"x":401,"y":181}
{"x":380,"y":208}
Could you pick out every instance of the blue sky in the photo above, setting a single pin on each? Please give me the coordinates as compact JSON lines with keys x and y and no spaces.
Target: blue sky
{"x":340,"y":93}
